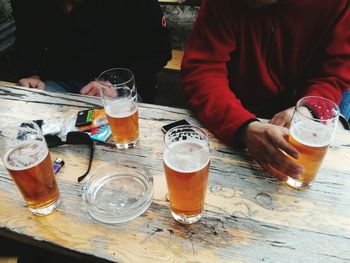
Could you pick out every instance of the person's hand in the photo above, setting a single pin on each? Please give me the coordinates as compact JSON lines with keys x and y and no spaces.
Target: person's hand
{"x":283,"y":118}
{"x":32,"y":82}
{"x":268,"y":145}
{"x":92,"y":89}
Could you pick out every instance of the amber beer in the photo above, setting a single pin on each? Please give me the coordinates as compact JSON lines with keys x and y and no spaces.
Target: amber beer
{"x":312,"y":141}
{"x":119,"y":98}
{"x":186,"y":165}
{"x":123,"y":120}
{"x":30,"y":167}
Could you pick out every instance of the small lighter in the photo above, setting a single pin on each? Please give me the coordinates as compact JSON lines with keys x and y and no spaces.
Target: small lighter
{"x":57,"y":164}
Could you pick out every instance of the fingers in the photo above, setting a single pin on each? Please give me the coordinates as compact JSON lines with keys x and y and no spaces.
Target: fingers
{"x":278,"y":120}
{"x":268,"y":145}
{"x":280,"y":162}
{"x":283,"y":118}
{"x":91,"y":89}
{"x":87,"y":88}
{"x":34,"y":83}
{"x":272,"y":171}
{"x":95,"y":92}
{"x":110,"y":92}
{"x":39,"y":85}
{"x":284,"y":165}
{"x":24,"y":83}
{"x":280,"y":140}
{"x":278,"y":149}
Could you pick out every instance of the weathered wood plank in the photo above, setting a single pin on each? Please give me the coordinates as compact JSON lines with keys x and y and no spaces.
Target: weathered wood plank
{"x":249,"y":216}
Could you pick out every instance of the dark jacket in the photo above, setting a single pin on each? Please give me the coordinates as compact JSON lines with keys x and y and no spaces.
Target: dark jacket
{"x":241,"y":62}
{"x":95,"y":36}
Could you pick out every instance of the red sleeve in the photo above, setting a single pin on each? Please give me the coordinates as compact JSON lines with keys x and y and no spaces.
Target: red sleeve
{"x":204,"y":73}
{"x":330,"y":74}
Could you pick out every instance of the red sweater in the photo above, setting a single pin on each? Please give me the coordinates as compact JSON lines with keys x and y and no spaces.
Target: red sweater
{"x":243,"y":62}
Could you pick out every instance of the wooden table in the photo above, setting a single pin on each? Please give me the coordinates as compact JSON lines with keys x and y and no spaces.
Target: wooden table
{"x":249,"y":216}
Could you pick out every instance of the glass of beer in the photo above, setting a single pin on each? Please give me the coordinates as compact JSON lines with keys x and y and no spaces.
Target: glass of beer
{"x":186,"y":165}
{"x":119,"y":98}
{"x":25,"y":154}
{"x":312,"y":130}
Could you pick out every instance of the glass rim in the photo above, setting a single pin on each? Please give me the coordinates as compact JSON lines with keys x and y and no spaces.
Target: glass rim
{"x":319,"y":98}
{"x":132,"y":77}
{"x":17,"y":124}
{"x":134,"y":174}
{"x":207,"y":141}
{"x":9,"y":143}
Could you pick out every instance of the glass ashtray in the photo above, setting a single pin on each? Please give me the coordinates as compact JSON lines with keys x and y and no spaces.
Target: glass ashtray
{"x":117,"y":194}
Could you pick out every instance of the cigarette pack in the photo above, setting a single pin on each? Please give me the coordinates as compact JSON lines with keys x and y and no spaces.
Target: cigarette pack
{"x":99,"y":118}
{"x":101,"y":133}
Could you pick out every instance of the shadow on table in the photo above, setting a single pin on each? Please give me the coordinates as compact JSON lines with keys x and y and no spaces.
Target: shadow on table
{"x":11,"y":250}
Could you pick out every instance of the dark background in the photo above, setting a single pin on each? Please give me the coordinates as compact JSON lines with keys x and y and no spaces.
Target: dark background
{"x":180,"y":18}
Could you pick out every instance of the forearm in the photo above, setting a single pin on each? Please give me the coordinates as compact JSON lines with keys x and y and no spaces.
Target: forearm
{"x":330,"y":89}
{"x":215,"y":105}
{"x":204,"y":72}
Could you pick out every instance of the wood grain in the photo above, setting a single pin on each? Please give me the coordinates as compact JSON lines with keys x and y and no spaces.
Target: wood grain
{"x":249,"y":216}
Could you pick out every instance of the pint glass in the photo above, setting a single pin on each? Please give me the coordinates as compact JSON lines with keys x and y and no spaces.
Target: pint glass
{"x":312,"y":129}
{"x":186,"y":165}
{"x":119,"y":98}
{"x":25,"y":154}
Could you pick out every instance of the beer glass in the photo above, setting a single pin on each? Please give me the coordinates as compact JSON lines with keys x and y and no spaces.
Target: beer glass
{"x":119,"y":98}
{"x":312,"y":129}
{"x":25,"y":154}
{"x":186,"y":165}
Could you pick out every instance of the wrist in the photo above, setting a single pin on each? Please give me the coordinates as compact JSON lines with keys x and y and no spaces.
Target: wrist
{"x":241,"y":135}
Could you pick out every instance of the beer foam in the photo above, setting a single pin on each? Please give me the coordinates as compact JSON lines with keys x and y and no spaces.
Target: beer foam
{"x":26,"y":155}
{"x":312,"y":134}
{"x":186,"y":156}
{"x":121,"y":108}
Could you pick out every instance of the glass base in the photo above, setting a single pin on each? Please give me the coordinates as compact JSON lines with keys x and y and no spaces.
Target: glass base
{"x":127,"y":145}
{"x":186,"y":220}
{"x":43,"y":211}
{"x":297,"y":184}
